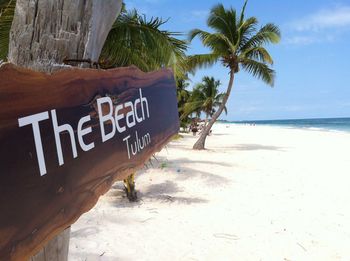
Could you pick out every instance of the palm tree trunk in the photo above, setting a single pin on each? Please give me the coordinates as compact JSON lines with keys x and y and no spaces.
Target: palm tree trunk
{"x":206,"y":120}
{"x":200,"y":144}
{"x":45,"y":33}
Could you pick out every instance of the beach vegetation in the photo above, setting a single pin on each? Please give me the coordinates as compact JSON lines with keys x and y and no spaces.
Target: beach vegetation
{"x":163,"y":165}
{"x":183,"y":96}
{"x":7,"y":10}
{"x":205,"y":98}
{"x":237,"y":43}
{"x":136,"y":40}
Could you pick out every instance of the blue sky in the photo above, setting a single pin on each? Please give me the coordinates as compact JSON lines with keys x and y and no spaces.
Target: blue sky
{"x":312,"y":61}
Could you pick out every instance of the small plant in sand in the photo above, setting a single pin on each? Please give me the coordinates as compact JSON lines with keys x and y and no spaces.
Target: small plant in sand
{"x":163,"y":165}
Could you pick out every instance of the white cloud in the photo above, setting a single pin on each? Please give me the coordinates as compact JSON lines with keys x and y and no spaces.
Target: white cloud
{"x":300,"y":40}
{"x":338,"y":17}
{"x":309,"y":39}
{"x":323,"y":26}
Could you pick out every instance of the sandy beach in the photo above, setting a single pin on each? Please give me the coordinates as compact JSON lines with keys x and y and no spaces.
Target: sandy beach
{"x":257,"y":193}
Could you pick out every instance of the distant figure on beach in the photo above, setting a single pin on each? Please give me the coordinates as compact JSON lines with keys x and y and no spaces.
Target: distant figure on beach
{"x":194,"y":129}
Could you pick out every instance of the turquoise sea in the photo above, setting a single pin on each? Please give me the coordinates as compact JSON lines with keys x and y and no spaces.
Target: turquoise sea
{"x":335,"y":124}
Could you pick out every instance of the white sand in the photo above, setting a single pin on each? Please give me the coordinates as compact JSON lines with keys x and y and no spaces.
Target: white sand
{"x":257,"y":193}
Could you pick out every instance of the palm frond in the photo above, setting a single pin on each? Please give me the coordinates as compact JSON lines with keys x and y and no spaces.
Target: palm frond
{"x":4,"y":4}
{"x":201,"y":60}
{"x":136,"y":40}
{"x":257,"y":53}
{"x":243,"y":12}
{"x":225,"y":110}
{"x":269,"y":33}
{"x":7,"y":10}
{"x":248,"y":27}
{"x":223,"y":21}
{"x":220,"y":96}
{"x":259,"y":70}
{"x":218,"y":42}
{"x":205,"y":97}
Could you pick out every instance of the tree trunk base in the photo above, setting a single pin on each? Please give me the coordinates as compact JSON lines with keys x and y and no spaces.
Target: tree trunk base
{"x":200,"y":144}
{"x":56,"y":250}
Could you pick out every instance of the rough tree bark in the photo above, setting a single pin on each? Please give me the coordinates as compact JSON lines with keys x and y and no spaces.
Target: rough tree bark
{"x":43,"y":34}
{"x":56,"y":250}
{"x":200,"y":144}
{"x":206,"y":119}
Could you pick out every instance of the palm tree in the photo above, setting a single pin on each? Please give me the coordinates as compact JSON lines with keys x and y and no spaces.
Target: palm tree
{"x":209,"y":88}
{"x":205,"y":98}
{"x":136,"y":40}
{"x":183,"y":96}
{"x":237,"y":44}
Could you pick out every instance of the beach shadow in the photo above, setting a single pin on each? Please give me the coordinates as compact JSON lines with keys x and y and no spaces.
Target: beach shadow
{"x":120,"y":200}
{"x":85,"y":232}
{"x":182,"y":161}
{"x":162,"y":192}
{"x":249,"y":147}
{"x":181,"y":166}
{"x":158,"y":160}
{"x":209,"y":179}
{"x":166,"y":192}
{"x":95,"y":257}
{"x":179,"y":146}
{"x":168,"y":187}
{"x":219,"y":134}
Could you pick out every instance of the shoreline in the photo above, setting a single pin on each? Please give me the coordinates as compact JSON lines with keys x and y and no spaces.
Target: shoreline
{"x":256,"y":193}
{"x":289,"y":127}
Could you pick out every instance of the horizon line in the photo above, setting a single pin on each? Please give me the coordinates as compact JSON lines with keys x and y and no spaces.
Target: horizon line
{"x":285,"y":119}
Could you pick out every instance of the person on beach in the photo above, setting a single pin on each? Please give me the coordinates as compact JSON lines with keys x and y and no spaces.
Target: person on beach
{"x":194,"y":129}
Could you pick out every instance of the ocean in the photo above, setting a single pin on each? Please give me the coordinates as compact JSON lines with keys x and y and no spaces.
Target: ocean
{"x":334,"y":124}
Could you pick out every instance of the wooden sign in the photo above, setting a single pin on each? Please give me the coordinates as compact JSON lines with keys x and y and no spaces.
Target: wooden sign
{"x":65,"y":138}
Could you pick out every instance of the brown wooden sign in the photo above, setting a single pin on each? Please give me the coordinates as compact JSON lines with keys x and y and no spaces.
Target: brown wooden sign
{"x":65,"y":138}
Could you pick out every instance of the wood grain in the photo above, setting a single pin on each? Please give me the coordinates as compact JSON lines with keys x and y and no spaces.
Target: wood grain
{"x":34,"y":208}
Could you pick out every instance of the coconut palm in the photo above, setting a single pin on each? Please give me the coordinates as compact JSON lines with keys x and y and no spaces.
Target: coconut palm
{"x":183,"y":96}
{"x":136,"y":40}
{"x":205,"y":98}
{"x":237,"y":44}
{"x":209,"y":90}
